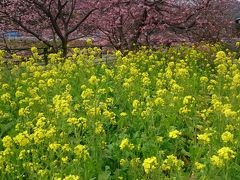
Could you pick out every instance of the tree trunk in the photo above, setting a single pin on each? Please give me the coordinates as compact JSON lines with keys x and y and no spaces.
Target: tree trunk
{"x":64,"y":47}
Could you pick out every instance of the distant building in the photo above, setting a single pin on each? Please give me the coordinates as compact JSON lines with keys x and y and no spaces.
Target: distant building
{"x":12,"y":34}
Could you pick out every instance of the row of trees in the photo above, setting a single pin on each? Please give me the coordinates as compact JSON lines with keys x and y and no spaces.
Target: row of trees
{"x":120,"y":23}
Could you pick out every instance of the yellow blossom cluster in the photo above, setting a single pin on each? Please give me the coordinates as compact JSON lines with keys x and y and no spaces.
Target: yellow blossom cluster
{"x":174,"y":134}
{"x":171,"y":162}
{"x":126,"y":144}
{"x":224,"y":154}
{"x":150,"y":164}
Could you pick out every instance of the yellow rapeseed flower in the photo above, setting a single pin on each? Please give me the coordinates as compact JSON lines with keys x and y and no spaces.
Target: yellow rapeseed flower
{"x":199,"y":165}
{"x":118,"y":53}
{"x":236,"y":81}
{"x":126,"y":144}
{"x":203,"y":80}
{"x":227,"y":137}
{"x":87,"y":93}
{"x":216,"y":161}
{"x":123,"y":114}
{"x":66,"y":148}
{"x":64,"y":159}
{"x":146,"y":81}
{"x":54,"y":146}
{"x":159,"y":139}
{"x":99,"y":129}
{"x":62,"y":104}
{"x":230,"y":127}
{"x":150,"y":164}
{"x":23,"y":111}
{"x":5,"y":86}
{"x":123,"y":162}
{"x":22,"y":139}
{"x":38,"y":135}
{"x":6,"y":97}
{"x":159,"y":101}
{"x":22,"y":154}
{"x":71,"y":177}
{"x":135,"y":104}
{"x":221,"y":55}
{"x":205,"y":137}
{"x":19,"y":94}
{"x":174,"y":134}
{"x":93,"y":80}
{"x":226,"y":153}
{"x":188,"y":99}
{"x":182,"y":73}
{"x":81,"y":151}
{"x":228,"y":112}
{"x":7,"y":142}
{"x":171,"y":162}
{"x":135,"y":162}
{"x":73,"y":121}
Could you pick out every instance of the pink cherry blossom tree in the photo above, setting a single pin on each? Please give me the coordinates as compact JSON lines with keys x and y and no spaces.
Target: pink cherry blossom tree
{"x":53,"y":22}
{"x":214,"y":20}
{"x":125,"y":24}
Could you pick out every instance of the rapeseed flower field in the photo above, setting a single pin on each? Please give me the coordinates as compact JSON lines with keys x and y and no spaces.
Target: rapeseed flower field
{"x":171,"y":113}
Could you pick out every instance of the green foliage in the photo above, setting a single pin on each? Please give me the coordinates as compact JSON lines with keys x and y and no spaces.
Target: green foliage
{"x":154,"y":114}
